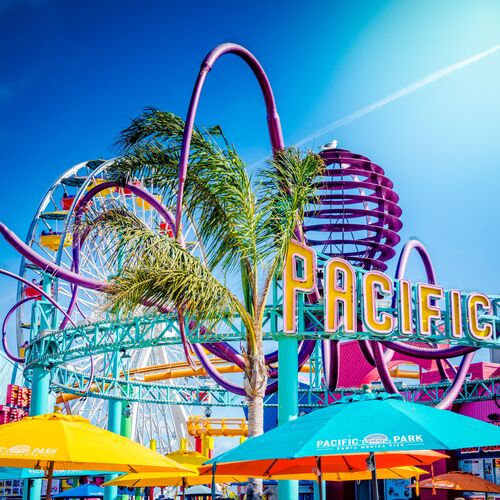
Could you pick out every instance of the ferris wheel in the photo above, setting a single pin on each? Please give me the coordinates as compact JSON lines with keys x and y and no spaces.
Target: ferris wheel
{"x":51,"y":234}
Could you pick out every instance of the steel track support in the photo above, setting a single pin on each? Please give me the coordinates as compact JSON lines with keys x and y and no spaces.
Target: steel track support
{"x":114,"y":425}
{"x":288,"y":387}
{"x":40,"y":384}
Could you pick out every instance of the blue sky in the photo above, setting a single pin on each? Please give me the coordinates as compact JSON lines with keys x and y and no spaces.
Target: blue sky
{"x":74,"y":73}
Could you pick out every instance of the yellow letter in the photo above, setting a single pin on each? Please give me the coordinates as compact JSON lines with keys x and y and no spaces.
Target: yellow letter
{"x":455,"y":312}
{"x":404,"y":307}
{"x":340,"y":288}
{"x":292,"y":283}
{"x":477,"y":331}
{"x":373,"y":283}
{"x":428,"y":311}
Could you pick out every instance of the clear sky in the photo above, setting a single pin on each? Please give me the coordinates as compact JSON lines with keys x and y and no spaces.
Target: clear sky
{"x":73,"y":74}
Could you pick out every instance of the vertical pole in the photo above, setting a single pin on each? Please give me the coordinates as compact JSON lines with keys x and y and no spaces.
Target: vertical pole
{"x":319,"y":491}
{"x":39,"y":405}
{"x":373,"y":466}
{"x":288,"y":391}
{"x":288,"y":387}
{"x":114,"y":421}
{"x":40,"y":384}
{"x":152,"y":445}
{"x":125,"y":429}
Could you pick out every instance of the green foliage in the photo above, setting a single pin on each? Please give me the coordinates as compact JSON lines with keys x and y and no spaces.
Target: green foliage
{"x":288,"y":187}
{"x":245,"y":223}
{"x":239,"y":220}
{"x":157,"y":270}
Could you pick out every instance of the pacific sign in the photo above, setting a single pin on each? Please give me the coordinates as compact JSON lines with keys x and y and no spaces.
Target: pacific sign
{"x":385,"y":308}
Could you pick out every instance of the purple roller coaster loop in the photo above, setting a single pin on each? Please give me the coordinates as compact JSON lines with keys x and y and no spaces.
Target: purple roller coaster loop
{"x":277,"y":143}
{"x":5,"y":345}
{"x":18,"y":304}
{"x":383,"y":194}
{"x":435,"y":354}
{"x":406,"y":349}
{"x":23,"y":301}
{"x":273,"y":120}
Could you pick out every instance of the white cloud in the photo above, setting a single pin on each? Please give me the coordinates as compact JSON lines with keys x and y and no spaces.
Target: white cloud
{"x":409,"y":89}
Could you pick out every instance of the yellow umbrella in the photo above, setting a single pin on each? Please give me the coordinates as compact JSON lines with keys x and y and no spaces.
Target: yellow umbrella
{"x":191,"y":459}
{"x":161,"y":479}
{"x":391,"y":473}
{"x":186,"y":457}
{"x":69,"y":442}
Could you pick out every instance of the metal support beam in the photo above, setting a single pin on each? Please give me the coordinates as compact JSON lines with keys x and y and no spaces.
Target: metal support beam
{"x":288,"y":400}
{"x":40,"y":383}
{"x":114,"y":424}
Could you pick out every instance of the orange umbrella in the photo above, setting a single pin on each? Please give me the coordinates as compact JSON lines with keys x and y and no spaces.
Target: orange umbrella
{"x":329,"y":463}
{"x":460,"y":481}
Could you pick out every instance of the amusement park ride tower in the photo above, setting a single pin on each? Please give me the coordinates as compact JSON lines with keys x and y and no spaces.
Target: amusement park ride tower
{"x":136,"y":364}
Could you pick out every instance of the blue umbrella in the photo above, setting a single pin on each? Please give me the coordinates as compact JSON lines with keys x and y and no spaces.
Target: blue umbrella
{"x":82,"y":491}
{"x":16,"y":473}
{"x":352,"y":430}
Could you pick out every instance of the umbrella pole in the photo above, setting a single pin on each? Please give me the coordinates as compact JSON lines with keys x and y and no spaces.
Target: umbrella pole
{"x":319,"y":477}
{"x":214,"y":468}
{"x":49,"y":480}
{"x":320,"y":487}
{"x":374,"y":476}
{"x":183,"y":488}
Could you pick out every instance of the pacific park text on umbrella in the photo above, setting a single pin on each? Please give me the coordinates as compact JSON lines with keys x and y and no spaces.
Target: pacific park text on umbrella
{"x":57,"y":441}
{"x":342,"y":436}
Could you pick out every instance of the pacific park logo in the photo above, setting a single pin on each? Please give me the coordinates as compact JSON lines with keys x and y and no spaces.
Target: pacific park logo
{"x":370,"y":442}
{"x":22,"y":450}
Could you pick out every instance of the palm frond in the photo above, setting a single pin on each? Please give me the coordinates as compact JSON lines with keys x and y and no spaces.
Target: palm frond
{"x":288,"y":188}
{"x":158,"y":271}
{"x":218,"y":190}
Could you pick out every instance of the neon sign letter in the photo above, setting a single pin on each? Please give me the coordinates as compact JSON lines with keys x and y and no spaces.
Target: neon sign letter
{"x":299,"y":275}
{"x":340,"y":288}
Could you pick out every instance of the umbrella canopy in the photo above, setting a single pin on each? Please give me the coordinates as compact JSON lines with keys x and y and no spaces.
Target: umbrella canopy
{"x":340,"y":437}
{"x":60,"y":441}
{"x":83,"y":491}
{"x":391,"y":473}
{"x":191,"y":459}
{"x":14,"y":473}
{"x":461,"y":481}
{"x":295,"y":467}
{"x":198,"y":491}
{"x":163,"y":479}
{"x":187,"y":457}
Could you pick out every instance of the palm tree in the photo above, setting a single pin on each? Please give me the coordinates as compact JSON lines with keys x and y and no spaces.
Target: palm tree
{"x":245,"y":221}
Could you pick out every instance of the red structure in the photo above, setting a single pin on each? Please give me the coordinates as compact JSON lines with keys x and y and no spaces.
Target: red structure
{"x":17,"y":404}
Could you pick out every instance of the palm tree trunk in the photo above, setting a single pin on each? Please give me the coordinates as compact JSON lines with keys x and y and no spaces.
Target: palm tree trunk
{"x":255,"y":387}
{"x":255,"y":427}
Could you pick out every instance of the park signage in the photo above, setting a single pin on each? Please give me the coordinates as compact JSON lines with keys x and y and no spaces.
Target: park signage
{"x":369,"y":304}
